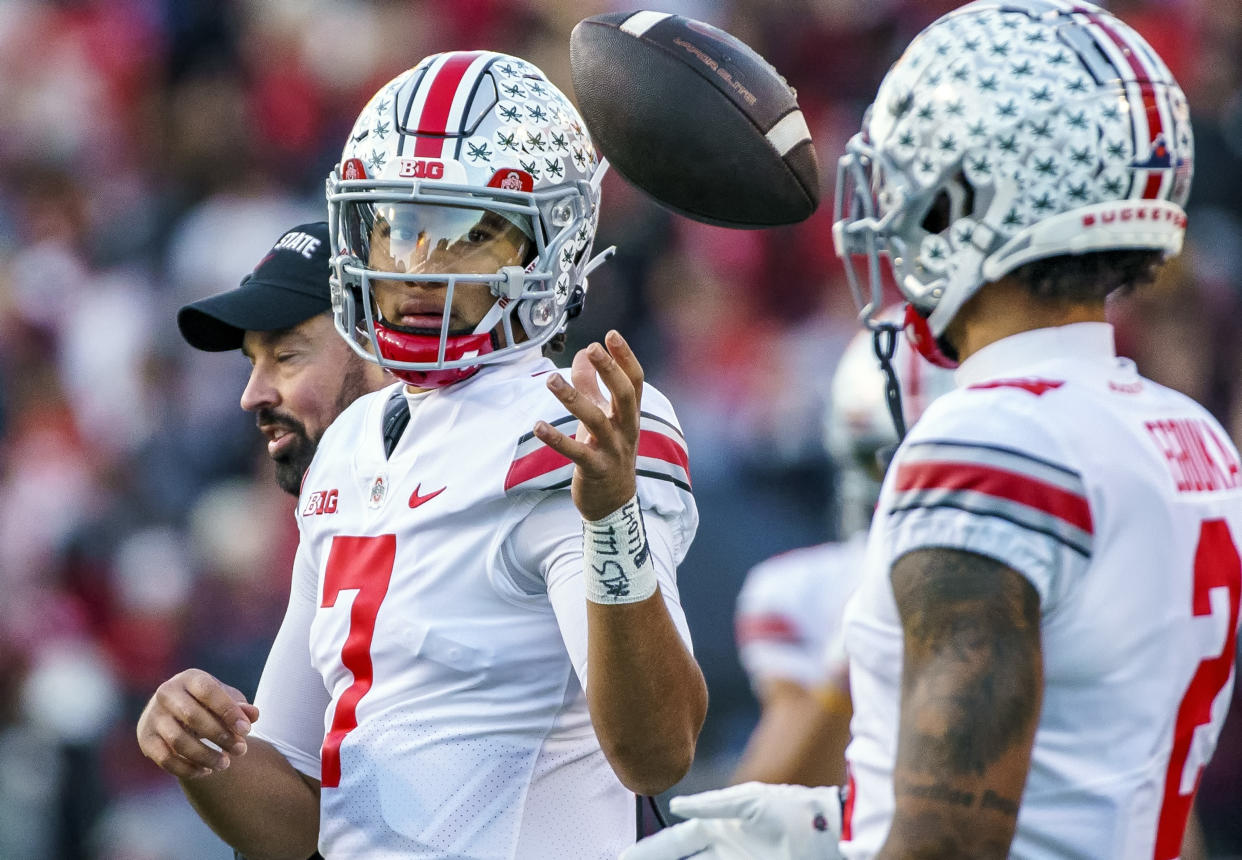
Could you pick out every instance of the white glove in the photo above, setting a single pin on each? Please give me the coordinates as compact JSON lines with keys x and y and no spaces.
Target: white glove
{"x":751,"y":821}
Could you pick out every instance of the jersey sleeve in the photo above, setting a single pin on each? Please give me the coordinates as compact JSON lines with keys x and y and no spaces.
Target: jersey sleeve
{"x":291,"y":697}
{"x":989,"y":474}
{"x":548,"y":542}
{"x":773,"y":643}
{"x":663,"y":467}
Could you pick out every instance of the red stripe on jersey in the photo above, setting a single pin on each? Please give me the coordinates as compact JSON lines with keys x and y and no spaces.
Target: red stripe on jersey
{"x":847,"y":810}
{"x":660,"y":447}
{"x":1035,"y":386}
{"x":768,"y":628}
{"x":434,"y":118}
{"x":1000,"y":484}
{"x":543,"y":460}
{"x":536,"y":463}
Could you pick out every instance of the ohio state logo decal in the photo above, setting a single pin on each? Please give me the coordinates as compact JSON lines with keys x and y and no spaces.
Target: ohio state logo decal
{"x":512,"y":179}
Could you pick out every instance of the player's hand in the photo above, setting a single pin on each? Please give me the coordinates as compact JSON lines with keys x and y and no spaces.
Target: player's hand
{"x":747,"y":821}
{"x":605,"y":448}
{"x":187,"y":709}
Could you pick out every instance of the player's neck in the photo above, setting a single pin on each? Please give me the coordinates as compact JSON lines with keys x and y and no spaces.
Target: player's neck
{"x":1006,"y":308}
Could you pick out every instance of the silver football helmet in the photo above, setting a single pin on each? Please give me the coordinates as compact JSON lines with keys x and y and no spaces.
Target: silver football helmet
{"x":1010,"y":132}
{"x":470,"y":167}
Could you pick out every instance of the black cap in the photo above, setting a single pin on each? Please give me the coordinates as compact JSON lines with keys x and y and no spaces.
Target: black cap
{"x":289,"y":286}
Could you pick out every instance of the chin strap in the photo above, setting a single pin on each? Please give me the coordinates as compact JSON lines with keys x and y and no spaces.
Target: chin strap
{"x":884,"y":344}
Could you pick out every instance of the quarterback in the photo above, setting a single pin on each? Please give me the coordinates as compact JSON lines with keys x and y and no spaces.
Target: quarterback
{"x":1042,"y":645}
{"x":483,"y":655}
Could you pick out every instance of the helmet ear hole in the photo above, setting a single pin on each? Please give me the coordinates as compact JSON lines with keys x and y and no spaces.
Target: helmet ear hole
{"x":955,"y":200}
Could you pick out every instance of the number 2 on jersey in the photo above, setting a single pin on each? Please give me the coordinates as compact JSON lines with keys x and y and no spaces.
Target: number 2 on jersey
{"x":364,"y":563}
{"x":1216,"y":566}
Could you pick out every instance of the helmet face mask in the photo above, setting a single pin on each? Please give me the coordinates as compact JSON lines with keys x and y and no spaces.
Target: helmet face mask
{"x":474,"y":170}
{"x":1005,"y":135}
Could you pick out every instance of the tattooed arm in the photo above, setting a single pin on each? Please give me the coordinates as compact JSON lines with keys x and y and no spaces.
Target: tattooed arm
{"x":972,"y":683}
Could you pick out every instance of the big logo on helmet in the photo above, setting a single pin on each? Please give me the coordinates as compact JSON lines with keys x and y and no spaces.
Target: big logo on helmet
{"x":421,"y":168}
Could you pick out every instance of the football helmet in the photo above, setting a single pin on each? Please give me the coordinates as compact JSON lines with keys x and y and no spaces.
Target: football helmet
{"x":1006,"y":133}
{"x":859,"y":434}
{"x":470,"y":168}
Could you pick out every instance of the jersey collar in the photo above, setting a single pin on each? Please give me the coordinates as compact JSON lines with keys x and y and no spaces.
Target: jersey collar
{"x":1017,"y":354}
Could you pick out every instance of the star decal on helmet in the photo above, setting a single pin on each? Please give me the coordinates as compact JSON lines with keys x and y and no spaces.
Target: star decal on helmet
{"x":478,"y":152}
{"x":508,"y":142}
{"x":1042,"y":129}
{"x":509,"y":112}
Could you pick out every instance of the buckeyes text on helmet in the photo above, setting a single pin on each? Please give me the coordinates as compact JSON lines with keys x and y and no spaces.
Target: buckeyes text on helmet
{"x":464,"y":147}
{"x":1007,"y":133}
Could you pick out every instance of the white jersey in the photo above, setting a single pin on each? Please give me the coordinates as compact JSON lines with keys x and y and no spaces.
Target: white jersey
{"x":790,"y":608}
{"x":1119,"y":500}
{"x":440,"y":591}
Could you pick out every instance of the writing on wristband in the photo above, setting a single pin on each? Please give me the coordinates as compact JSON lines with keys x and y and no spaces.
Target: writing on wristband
{"x":617,"y":562}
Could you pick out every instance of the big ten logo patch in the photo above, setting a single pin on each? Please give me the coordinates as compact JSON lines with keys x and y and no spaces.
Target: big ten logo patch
{"x":421,"y":168}
{"x":320,"y":502}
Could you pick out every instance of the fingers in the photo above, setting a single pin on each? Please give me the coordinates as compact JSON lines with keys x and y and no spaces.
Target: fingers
{"x":626,"y":360}
{"x":594,"y":423}
{"x":618,"y":367}
{"x":187,"y":711}
{"x":688,"y":839}
{"x":577,"y":451}
{"x":621,"y":372}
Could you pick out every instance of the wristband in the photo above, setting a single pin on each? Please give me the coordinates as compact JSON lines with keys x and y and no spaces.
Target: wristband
{"x":616,"y":561}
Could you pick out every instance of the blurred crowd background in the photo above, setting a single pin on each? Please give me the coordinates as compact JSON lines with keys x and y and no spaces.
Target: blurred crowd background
{"x":150,"y":153}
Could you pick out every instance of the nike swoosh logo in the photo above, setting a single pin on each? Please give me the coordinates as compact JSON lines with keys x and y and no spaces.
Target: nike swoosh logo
{"x":416,"y":499}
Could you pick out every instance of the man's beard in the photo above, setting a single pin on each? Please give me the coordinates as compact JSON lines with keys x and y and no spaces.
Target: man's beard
{"x":291,"y":465}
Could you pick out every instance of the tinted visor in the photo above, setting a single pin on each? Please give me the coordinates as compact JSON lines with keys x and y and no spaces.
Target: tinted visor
{"x":414,"y":238}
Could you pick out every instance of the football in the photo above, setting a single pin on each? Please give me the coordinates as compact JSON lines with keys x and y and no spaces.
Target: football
{"x":695,"y":118}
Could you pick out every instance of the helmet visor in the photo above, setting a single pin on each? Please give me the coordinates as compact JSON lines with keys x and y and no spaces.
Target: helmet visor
{"x":436,"y":239}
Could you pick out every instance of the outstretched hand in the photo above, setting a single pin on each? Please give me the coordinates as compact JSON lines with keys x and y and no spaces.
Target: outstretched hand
{"x":605,"y":448}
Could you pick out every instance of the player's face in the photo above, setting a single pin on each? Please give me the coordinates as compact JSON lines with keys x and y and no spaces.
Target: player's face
{"x":300,"y":380}
{"x":419,"y":238}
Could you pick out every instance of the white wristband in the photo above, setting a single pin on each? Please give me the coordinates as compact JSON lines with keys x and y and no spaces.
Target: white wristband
{"x":616,"y":561}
